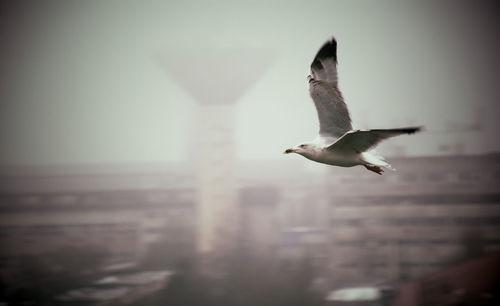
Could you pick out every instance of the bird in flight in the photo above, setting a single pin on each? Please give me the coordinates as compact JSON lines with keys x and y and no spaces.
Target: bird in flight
{"x":337,"y":143}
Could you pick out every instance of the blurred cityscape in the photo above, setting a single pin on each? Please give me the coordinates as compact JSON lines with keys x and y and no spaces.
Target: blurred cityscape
{"x":93,"y":95}
{"x":427,"y":234}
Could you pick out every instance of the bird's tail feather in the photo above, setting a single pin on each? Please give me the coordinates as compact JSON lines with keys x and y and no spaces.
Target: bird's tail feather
{"x":376,"y":159}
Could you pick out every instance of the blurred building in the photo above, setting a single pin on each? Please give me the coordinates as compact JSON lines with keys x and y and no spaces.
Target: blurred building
{"x":259,"y":219}
{"x":112,"y":211}
{"x":358,"y":227}
{"x":213,"y":149}
{"x":474,"y":282}
{"x":432,"y":213}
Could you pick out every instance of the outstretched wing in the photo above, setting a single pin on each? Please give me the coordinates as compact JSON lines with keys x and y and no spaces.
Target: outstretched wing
{"x":333,"y":115}
{"x":362,"y":140}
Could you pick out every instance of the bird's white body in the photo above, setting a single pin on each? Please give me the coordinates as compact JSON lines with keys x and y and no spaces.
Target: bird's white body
{"x":318,"y":152}
{"x":337,"y":143}
{"x":343,"y":160}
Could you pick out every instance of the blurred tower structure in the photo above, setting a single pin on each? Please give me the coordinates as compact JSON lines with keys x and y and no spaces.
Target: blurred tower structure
{"x":216,"y":78}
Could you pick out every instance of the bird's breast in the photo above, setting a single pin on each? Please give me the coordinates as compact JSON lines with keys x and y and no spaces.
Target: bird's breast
{"x":336,"y":159}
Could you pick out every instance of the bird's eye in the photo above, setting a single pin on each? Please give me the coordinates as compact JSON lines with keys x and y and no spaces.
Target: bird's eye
{"x":302,"y":146}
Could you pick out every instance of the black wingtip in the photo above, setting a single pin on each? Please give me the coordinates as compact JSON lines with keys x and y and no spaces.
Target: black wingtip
{"x":413,"y":130}
{"x":404,"y":130}
{"x":328,"y":50}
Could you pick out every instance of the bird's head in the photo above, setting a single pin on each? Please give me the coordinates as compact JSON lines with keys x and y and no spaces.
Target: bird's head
{"x":301,"y":149}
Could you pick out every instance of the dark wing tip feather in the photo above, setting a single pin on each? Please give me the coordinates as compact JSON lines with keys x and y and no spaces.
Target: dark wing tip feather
{"x":413,"y":130}
{"x":405,"y":130}
{"x":316,"y":65}
{"x":328,"y":50}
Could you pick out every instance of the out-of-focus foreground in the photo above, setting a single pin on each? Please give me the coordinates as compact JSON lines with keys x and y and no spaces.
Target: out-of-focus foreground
{"x":427,"y":234}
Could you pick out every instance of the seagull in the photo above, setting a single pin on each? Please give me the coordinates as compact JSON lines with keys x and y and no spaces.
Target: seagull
{"x":337,"y":143}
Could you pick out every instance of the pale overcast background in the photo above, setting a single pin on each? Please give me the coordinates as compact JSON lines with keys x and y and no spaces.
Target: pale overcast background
{"x":118,"y":82}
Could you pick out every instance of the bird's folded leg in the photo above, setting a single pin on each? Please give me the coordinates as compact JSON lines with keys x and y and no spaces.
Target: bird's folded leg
{"x":374,"y":168}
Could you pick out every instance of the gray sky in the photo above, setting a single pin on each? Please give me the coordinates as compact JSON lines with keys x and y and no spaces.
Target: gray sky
{"x":105,"y":82}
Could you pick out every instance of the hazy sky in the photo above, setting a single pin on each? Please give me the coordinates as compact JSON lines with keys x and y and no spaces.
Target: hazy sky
{"x":117,"y":82}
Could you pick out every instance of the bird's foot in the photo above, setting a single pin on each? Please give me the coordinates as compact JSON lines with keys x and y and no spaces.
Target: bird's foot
{"x":375,"y":169}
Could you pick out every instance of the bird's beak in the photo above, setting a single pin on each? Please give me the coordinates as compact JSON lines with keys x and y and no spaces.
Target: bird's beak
{"x":288,"y":151}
